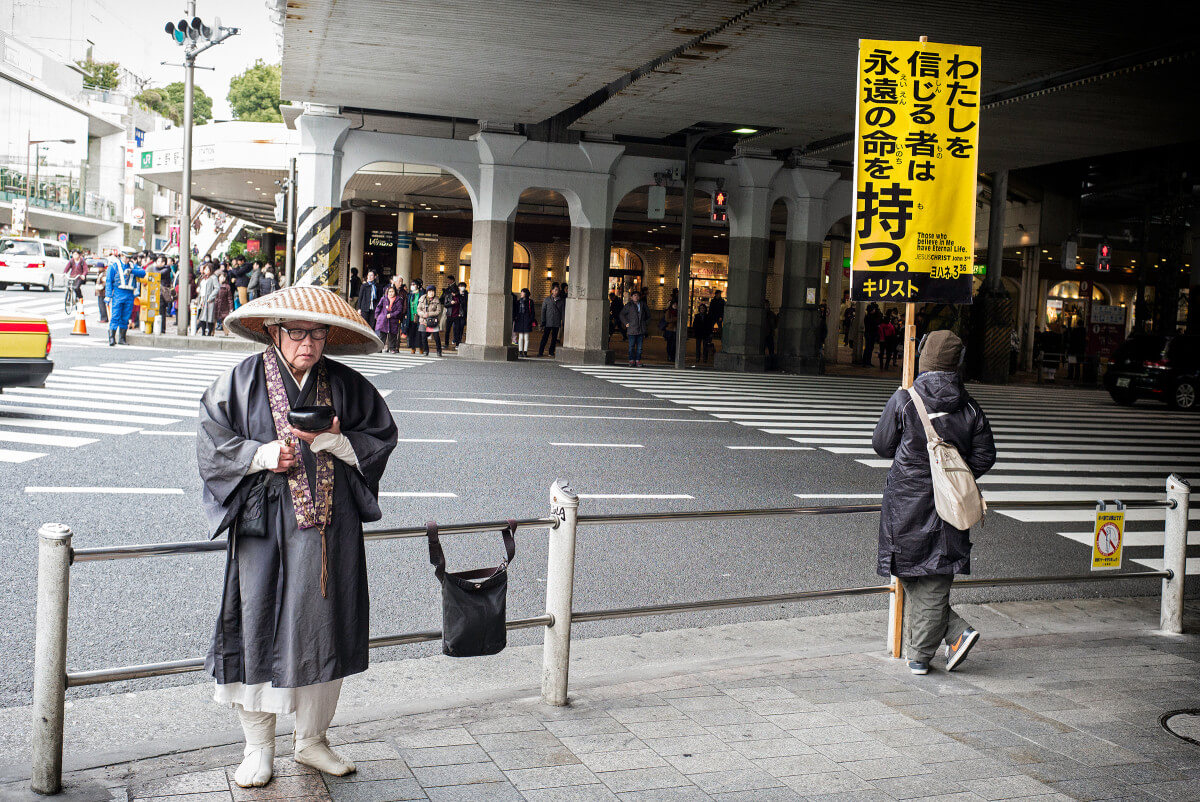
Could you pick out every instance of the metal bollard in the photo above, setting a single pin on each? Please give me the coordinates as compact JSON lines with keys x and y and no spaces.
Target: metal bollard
{"x":560,"y":590}
{"x":1175,"y":532}
{"x":50,"y":657}
{"x":895,"y":641}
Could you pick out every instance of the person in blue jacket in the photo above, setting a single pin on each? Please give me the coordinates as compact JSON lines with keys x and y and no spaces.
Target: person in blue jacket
{"x":121,"y":285}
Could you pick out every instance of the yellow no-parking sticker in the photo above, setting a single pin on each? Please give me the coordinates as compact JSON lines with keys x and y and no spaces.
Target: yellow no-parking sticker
{"x":1106,"y":543}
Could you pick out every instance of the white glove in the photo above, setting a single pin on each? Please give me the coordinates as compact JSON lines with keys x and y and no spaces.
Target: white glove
{"x":266,"y":458}
{"x":336,"y":444}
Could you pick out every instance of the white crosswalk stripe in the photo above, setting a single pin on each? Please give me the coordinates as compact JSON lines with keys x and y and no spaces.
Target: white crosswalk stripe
{"x":1052,"y":443}
{"x":50,"y":307}
{"x":122,"y":398}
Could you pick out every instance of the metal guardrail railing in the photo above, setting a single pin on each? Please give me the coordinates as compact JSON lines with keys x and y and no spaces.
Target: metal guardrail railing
{"x":56,"y":556}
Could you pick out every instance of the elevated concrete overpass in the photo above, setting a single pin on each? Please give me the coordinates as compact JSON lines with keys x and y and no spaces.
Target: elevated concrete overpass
{"x":582,"y":105}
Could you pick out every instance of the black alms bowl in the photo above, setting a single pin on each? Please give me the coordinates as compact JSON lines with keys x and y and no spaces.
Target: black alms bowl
{"x":311,"y":419}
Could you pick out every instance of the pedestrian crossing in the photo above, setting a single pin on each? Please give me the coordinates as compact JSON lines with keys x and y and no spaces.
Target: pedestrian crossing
{"x":43,"y":304}
{"x":78,"y":405}
{"x":50,"y":307}
{"x":1052,"y":444}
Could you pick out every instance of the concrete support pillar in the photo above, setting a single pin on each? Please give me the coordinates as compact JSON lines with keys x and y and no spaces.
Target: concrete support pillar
{"x":799,"y":350}
{"x":489,"y":313}
{"x":749,"y":250}
{"x":837,"y":249}
{"x":742,"y":330}
{"x":358,"y":238}
{"x":857,"y":331}
{"x":585,"y":327}
{"x":994,"y":312}
{"x":404,"y":246}
{"x":318,"y":202}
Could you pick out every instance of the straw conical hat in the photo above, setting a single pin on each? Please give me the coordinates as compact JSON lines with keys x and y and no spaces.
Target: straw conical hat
{"x":348,"y":333}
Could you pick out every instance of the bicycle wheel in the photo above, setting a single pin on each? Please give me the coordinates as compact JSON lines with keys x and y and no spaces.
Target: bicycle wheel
{"x":69,"y":299}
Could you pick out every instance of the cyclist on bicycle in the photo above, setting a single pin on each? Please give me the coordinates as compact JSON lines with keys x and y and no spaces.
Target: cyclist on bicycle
{"x":76,"y":273}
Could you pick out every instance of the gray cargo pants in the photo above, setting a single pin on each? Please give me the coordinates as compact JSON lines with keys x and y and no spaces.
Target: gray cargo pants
{"x":928,"y":618}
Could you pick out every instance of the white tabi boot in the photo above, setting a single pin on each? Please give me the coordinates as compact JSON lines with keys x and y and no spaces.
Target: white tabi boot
{"x":315,"y":752}
{"x":315,"y":706}
{"x":259,"y":755}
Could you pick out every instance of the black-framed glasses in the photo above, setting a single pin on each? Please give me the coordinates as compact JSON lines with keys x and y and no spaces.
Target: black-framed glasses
{"x":298,"y":335}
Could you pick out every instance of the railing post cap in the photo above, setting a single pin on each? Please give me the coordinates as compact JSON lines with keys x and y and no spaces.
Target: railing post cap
{"x":1177,"y":482}
{"x":561,"y":493}
{"x":55,"y":532}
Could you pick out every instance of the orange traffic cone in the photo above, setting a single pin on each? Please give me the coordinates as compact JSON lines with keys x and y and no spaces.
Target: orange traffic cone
{"x":80,"y":326}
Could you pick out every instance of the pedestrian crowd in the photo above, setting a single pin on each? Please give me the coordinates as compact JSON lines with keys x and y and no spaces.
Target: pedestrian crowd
{"x":404,"y":314}
{"x":223,"y":285}
{"x":883,"y":334}
{"x":411,"y":315}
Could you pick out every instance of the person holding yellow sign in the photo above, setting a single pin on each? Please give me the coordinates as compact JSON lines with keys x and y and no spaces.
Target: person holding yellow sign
{"x":915,"y":543}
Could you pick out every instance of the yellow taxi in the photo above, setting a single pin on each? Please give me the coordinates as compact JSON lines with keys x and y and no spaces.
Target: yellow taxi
{"x":24,"y":351}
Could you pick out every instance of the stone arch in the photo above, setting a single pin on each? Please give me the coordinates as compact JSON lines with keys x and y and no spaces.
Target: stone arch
{"x":384,"y":197}
{"x":456,"y":157}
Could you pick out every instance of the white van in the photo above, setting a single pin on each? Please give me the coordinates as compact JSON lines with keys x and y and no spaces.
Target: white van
{"x":32,"y":262}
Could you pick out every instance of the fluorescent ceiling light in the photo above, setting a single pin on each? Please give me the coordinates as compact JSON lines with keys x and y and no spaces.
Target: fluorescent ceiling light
{"x":745,"y":130}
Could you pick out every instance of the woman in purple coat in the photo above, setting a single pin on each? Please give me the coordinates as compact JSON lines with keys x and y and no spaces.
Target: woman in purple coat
{"x":387,"y":319}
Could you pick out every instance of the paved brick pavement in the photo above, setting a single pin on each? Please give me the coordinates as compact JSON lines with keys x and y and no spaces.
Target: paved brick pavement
{"x":1031,"y":714}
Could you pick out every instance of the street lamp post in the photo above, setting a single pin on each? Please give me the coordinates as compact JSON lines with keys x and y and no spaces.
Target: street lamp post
{"x":28,"y":183}
{"x":187,"y":33}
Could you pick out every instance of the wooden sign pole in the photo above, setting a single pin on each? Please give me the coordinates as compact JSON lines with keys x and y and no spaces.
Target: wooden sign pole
{"x":909,"y":368}
{"x":910,"y":346}
{"x":908,"y":373}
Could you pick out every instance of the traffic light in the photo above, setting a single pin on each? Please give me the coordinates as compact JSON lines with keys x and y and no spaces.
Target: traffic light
{"x":1103,"y":257}
{"x":719,"y":210}
{"x":194,"y":30}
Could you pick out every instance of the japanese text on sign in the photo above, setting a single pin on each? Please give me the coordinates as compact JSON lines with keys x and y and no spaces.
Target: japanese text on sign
{"x":1106,"y":543}
{"x":917,"y":132}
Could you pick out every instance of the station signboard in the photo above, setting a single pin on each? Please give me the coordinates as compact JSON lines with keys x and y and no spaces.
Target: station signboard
{"x":915,"y":171}
{"x":381,"y":239}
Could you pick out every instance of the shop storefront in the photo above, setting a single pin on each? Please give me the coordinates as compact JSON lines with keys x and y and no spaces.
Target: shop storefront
{"x":1067,"y":303}
{"x":626,"y":272}
{"x":710,"y":274}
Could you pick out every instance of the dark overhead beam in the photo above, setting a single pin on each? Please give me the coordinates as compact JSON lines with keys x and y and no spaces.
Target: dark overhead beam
{"x":555,"y":129}
{"x":1070,"y":79}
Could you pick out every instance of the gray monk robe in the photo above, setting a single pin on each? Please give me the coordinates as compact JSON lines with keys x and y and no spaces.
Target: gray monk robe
{"x":275,"y":627}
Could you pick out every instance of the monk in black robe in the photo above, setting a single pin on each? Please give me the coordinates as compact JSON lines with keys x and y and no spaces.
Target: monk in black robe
{"x":294,"y":615}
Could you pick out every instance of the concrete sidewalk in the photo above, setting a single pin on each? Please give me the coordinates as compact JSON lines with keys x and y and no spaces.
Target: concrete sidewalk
{"x":1060,"y":700}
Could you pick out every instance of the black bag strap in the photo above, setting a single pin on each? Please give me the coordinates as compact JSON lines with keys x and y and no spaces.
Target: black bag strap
{"x":437,"y":558}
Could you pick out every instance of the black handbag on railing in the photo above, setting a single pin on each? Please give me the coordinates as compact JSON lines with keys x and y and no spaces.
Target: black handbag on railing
{"x":473,"y":602}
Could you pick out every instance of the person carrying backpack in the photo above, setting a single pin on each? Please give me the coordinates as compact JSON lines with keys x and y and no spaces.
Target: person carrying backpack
{"x":915,"y":543}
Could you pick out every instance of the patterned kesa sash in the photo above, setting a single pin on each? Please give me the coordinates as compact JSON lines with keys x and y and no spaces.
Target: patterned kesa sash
{"x":310,"y":512}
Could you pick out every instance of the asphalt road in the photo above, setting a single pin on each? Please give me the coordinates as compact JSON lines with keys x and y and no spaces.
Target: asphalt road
{"x":503,"y":419}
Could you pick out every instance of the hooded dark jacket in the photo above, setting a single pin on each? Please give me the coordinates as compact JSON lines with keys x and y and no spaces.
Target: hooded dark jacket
{"x":913,"y":540}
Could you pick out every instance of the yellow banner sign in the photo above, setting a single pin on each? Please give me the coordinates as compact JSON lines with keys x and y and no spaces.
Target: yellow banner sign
{"x":1106,"y":543}
{"x":916,"y":155}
